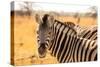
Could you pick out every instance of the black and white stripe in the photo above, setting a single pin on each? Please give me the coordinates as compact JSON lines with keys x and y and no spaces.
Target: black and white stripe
{"x":83,"y":31}
{"x":89,"y":32}
{"x":66,"y":46}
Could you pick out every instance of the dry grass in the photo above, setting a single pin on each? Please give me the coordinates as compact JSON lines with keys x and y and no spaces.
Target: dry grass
{"x":25,"y":41}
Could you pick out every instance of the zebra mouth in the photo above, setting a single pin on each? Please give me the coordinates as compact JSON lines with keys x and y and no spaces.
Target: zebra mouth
{"x":42,"y":52}
{"x":42,"y":56}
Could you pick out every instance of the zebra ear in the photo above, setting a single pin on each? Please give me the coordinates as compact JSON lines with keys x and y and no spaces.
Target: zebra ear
{"x":51,"y":20}
{"x":38,"y":19}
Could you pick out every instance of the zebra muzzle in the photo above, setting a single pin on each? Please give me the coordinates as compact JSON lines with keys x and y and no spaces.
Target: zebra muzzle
{"x":42,"y":51}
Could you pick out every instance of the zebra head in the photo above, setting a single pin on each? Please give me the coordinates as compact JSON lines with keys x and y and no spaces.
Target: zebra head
{"x":44,"y":33}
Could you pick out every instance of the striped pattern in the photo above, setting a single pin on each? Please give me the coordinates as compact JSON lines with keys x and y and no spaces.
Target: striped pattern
{"x":89,"y":33}
{"x":84,"y":32}
{"x":66,"y":46}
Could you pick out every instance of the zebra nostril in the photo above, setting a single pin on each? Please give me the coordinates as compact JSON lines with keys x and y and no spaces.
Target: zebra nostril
{"x":42,"y":46}
{"x":42,"y":43}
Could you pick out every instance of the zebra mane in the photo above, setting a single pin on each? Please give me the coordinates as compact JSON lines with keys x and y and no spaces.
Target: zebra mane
{"x":66,"y":25}
{"x":45,"y":17}
{"x":71,"y":24}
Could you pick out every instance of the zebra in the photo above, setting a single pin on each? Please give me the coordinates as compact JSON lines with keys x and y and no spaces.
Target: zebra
{"x":88,"y":32}
{"x":83,"y":31}
{"x":62,"y":41}
{"x":70,"y":24}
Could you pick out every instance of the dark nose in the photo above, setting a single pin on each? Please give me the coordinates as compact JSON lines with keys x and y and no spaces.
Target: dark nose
{"x":42,"y":43}
{"x":42,"y":50}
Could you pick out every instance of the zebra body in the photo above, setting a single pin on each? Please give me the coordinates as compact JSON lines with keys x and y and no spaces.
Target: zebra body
{"x":71,"y":48}
{"x":63,"y":42}
{"x":84,"y":32}
{"x":89,"y":32}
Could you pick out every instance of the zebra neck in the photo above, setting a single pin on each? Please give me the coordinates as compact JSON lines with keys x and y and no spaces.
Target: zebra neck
{"x":62,"y":41}
{"x":62,"y":47}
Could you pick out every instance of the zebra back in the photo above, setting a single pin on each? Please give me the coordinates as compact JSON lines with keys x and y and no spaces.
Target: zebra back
{"x":87,"y":32}
{"x":83,"y":31}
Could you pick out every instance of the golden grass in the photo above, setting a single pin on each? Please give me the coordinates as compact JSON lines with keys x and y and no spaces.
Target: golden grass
{"x":25,"y":41}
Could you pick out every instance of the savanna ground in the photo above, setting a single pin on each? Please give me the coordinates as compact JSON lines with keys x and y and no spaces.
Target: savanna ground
{"x":25,"y":39}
